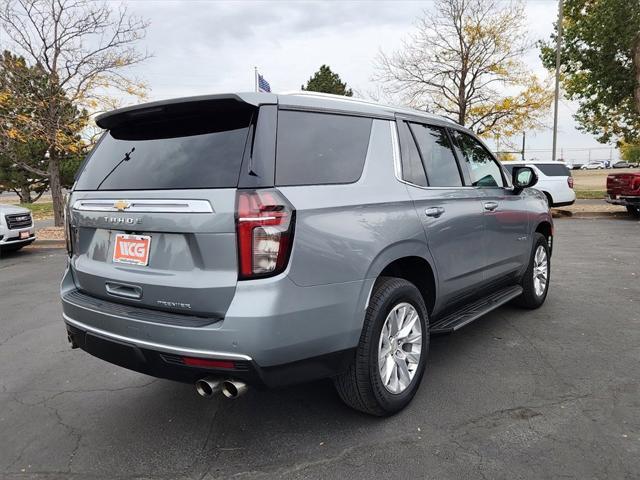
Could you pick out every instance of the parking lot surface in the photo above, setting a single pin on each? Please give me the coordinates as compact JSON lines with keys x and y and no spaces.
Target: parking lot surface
{"x":518,"y":394}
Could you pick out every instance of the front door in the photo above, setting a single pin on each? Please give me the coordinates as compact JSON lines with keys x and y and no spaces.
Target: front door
{"x":506,"y":226}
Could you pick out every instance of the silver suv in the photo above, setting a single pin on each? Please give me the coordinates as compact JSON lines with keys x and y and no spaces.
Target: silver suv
{"x":263,"y":240}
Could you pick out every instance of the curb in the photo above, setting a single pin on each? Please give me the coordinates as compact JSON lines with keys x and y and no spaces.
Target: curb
{"x":591,"y":215}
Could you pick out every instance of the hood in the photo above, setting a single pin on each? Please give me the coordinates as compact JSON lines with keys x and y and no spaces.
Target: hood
{"x":10,"y":209}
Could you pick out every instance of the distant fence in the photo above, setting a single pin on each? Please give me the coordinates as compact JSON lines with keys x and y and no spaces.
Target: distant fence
{"x":568,"y":155}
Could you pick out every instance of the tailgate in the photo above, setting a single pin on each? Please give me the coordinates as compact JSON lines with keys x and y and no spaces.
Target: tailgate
{"x":623,"y":184}
{"x":192,"y":262}
{"x":153,"y":210}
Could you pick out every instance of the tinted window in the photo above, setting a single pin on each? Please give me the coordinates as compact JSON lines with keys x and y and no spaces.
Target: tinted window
{"x":551,"y":170}
{"x":412,"y":169}
{"x":483,"y":169}
{"x":320,"y":148}
{"x":169,"y":153}
{"x":437,"y":156}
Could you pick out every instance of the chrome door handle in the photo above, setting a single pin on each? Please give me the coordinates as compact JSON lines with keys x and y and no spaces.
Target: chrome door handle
{"x":434,"y":212}
{"x":491,"y":206}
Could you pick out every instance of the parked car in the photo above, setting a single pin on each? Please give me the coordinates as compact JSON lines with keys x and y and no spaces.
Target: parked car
{"x":593,"y":166}
{"x":262,"y":239}
{"x":16,"y":228}
{"x":554,"y":180}
{"x":623,"y":164}
{"x":624,"y":189}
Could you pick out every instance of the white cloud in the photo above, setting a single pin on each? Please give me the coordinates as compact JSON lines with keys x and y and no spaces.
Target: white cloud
{"x":205,"y":47}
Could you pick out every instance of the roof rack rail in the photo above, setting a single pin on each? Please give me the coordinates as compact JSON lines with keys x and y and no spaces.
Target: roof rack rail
{"x":361,"y":101}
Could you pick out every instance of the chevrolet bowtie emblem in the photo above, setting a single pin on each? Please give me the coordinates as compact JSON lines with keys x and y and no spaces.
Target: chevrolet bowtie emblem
{"x":121,"y":205}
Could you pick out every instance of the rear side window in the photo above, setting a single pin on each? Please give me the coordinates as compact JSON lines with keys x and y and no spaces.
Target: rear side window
{"x":437,"y":156}
{"x":551,"y":170}
{"x":320,"y":148}
{"x":203,"y":151}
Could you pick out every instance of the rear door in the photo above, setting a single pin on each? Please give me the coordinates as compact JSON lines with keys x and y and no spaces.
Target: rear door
{"x":451,"y":213}
{"x":153,"y":210}
{"x":506,"y":240}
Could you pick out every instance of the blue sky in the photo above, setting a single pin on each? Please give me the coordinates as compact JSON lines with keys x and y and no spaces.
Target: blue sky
{"x":212,"y":46}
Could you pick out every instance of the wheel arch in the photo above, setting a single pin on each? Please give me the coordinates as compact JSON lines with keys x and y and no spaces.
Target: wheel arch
{"x":546,"y":228}
{"x":409,"y":260}
{"x":417,"y":271}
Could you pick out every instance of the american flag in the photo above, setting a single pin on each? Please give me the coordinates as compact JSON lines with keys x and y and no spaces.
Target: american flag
{"x":263,"y":85}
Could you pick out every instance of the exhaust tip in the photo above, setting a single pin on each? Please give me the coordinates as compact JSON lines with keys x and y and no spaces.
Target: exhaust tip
{"x":233,"y":389}
{"x":207,"y":387}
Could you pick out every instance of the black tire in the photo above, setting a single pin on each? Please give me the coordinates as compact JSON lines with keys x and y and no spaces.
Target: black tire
{"x":549,"y":199}
{"x":529,"y":298}
{"x":633,"y":211}
{"x":361,"y":386}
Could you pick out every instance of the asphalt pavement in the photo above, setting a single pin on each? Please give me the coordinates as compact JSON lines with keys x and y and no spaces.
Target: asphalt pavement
{"x":518,"y":394}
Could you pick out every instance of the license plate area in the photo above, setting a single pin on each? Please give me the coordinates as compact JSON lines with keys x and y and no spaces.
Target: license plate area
{"x":24,"y":235}
{"x":131,"y":249}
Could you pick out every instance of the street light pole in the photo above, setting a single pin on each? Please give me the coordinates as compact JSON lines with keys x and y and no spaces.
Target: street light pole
{"x":557,"y":93}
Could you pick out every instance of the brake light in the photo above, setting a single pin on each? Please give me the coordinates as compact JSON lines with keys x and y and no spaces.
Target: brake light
{"x":570,"y":182}
{"x":208,"y":363}
{"x":264,"y":227}
{"x":68,"y":233}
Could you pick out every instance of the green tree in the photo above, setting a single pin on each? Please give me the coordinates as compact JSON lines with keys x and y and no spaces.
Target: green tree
{"x":26,"y":97}
{"x":601,"y":65}
{"x":630,"y":152}
{"x":326,"y":81}
{"x":28,"y":186}
{"x":82,"y":46}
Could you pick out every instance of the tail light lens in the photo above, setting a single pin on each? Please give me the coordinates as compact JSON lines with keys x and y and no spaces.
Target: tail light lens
{"x":68,"y":233}
{"x":570,"y":182}
{"x":264,"y":226}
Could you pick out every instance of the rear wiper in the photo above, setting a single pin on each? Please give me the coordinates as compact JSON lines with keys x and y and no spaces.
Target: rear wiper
{"x":126,"y":158}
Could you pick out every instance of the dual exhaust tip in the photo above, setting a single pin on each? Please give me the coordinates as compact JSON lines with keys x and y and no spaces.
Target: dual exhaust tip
{"x":208,"y":387}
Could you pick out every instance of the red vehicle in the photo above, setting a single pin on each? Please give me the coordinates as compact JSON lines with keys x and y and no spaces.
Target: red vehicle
{"x":624,"y":189}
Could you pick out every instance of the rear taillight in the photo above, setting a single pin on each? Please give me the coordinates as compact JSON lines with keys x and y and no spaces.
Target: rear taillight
{"x":68,"y":234}
{"x":264,"y":227}
{"x":570,"y":182}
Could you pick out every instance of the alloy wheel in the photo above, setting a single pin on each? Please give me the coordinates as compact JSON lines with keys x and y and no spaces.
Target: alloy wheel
{"x":540,"y":271}
{"x":400,"y":347}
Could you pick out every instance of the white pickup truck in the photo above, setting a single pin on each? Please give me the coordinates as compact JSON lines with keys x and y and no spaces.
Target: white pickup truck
{"x":16,"y":228}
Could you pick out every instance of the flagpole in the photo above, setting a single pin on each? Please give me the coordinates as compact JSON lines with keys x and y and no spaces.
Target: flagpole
{"x":255,"y":77}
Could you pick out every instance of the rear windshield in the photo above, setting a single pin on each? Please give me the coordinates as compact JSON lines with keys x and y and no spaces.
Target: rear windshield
{"x":551,"y":170}
{"x":203,"y":151}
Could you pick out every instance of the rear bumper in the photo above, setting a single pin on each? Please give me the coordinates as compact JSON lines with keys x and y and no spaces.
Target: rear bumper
{"x":564,"y":204}
{"x":624,"y":200}
{"x":276,"y":331}
{"x":172,"y":367}
{"x":563,"y":197}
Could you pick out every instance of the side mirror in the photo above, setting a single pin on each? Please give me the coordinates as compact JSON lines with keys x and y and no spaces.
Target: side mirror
{"x":523,"y":177}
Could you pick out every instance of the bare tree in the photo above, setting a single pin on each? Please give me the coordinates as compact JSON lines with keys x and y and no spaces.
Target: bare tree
{"x":83,"y":46}
{"x":464,"y":60}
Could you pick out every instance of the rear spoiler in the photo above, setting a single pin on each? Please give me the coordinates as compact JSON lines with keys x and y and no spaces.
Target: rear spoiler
{"x":125,"y":115}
